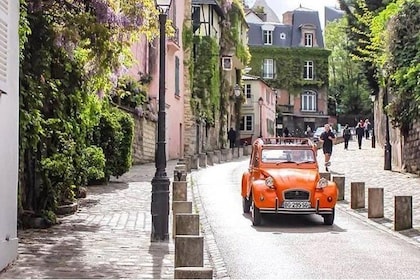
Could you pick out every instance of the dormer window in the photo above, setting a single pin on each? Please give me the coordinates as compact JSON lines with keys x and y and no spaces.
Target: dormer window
{"x":267,"y":32}
{"x":268,"y":37}
{"x":309,"y":40}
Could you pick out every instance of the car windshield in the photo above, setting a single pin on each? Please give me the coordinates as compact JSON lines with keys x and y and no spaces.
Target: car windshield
{"x":280,"y":156}
{"x":319,"y":131}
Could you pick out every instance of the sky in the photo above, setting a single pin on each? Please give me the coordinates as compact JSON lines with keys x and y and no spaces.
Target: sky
{"x":281,"y":6}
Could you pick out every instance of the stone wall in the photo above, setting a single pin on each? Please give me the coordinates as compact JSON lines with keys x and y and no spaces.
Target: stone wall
{"x":144,"y":142}
{"x":411,"y":154}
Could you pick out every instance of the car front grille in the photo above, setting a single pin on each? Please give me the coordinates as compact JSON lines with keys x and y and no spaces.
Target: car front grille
{"x":296,"y":195}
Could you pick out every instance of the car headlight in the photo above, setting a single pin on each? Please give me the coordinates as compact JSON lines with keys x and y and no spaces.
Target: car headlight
{"x":269,"y":181}
{"x":322,"y":183}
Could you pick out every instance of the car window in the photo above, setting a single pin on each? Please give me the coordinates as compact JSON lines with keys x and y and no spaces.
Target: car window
{"x":278,"y":156}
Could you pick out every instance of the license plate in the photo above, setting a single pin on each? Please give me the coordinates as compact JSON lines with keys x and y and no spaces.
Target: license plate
{"x":297,"y":204}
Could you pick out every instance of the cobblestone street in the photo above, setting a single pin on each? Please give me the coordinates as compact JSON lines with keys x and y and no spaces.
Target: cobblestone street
{"x":108,"y":237}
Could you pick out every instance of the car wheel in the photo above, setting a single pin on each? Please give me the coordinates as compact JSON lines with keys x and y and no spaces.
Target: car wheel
{"x":329,"y":219}
{"x":256,"y":215}
{"x":246,"y":205}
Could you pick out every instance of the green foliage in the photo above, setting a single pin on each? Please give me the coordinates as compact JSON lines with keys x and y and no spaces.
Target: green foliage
{"x":94,"y":162}
{"x":347,"y":86}
{"x":114,"y":134}
{"x":206,"y":80}
{"x":129,"y":92}
{"x":289,"y":66}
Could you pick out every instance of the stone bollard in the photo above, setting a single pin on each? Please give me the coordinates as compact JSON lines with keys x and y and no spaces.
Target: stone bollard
{"x":193,"y":273}
{"x":247,"y":150}
{"x":357,"y":199}
{"x":225,"y":153}
{"x":187,"y":224}
{"x":180,"y":172}
{"x":179,"y":207}
{"x":340,"y":182}
{"x":375,"y":202}
{"x":194,"y":162}
{"x":210,"y":158}
{"x":326,"y":175}
{"x":179,"y":191}
{"x":187,"y":164}
{"x":202,"y":160}
{"x":240,"y":152}
{"x":217,"y":156}
{"x":403,"y":212}
{"x":189,"y":251}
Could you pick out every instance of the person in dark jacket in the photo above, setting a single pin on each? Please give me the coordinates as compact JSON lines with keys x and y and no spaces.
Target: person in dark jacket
{"x":327,"y":137}
{"x":231,"y":137}
{"x":346,"y":136}
{"x":360,"y":132}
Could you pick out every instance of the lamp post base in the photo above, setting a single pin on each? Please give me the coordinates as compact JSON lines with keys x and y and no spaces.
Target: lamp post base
{"x":387,"y":157}
{"x":160,"y":208}
{"x":373,"y":141}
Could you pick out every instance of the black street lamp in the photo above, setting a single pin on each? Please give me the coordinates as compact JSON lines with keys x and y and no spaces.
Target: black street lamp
{"x":387,"y":156}
{"x":260,"y":103}
{"x":373,"y":98}
{"x":160,"y":182}
{"x":237,"y":91}
{"x":275,"y":112}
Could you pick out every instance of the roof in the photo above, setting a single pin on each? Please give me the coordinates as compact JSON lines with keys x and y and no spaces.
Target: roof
{"x":305,"y":17}
{"x":248,"y":77}
{"x":214,"y":3}
{"x":271,"y":15}
{"x":332,"y":14}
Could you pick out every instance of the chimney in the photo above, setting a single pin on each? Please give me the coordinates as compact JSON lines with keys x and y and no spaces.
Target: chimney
{"x":288,"y":18}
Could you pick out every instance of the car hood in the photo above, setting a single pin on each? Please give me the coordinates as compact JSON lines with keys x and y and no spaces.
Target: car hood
{"x":293,"y":177}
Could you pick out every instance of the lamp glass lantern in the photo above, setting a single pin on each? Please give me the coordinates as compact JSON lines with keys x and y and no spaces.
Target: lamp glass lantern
{"x":163,"y":5}
{"x":260,"y":101}
{"x":372,"y":97}
{"x":237,"y":90}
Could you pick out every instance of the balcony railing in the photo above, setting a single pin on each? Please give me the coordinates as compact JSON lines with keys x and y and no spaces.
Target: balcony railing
{"x":286,"y":108}
{"x":174,"y":39}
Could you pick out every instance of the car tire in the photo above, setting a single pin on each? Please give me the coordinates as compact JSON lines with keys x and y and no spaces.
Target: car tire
{"x":329,"y":219}
{"x":246,"y":205}
{"x":256,"y":215}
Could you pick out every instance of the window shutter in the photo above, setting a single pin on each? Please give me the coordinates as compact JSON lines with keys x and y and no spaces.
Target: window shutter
{"x":177,"y":76}
{"x":4,"y":29}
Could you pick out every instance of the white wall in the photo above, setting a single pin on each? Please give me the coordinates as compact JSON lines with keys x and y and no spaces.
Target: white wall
{"x":9,"y":125}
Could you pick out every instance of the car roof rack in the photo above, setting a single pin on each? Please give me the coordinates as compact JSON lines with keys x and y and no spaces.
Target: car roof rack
{"x":294,"y":141}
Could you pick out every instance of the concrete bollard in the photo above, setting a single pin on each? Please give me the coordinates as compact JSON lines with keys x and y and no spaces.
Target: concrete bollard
{"x":403,"y":212}
{"x":202,"y":160}
{"x":375,"y":202}
{"x":340,"y":182}
{"x":189,"y":251}
{"x":180,"y":172}
{"x":187,"y":224}
{"x":179,"y":207}
{"x":193,"y":273}
{"x":357,"y":199}
{"x":326,"y":175}
{"x":179,"y":191}
{"x":188,"y":163}
{"x":217,"y":156}
{"x":247,"y":150}
{"x":224,"y":153}
{"x":210,"y":158}
{"x":194,"y":162}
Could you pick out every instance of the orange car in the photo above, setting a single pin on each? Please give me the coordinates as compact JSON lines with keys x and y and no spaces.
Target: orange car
{"x":283,"y":178}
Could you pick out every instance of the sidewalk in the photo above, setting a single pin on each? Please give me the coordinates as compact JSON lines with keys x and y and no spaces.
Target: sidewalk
{"x":109,"y":236}
{"x":367,"y":165}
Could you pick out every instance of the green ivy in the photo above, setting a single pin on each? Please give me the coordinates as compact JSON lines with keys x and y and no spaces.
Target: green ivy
{"x":289,"y":66}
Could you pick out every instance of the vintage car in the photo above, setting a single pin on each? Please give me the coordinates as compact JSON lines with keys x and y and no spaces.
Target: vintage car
{"x":283,"y":178}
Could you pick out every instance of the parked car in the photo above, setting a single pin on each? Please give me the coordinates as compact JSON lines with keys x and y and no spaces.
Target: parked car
{"x":317,"y":133}
{"x":283,"y":178}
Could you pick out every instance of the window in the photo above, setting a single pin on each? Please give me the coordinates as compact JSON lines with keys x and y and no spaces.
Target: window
{"x":4,"y":29}
{"x":309,"y":39}
{"x":268,"y":37}
{"x":177,"y":91}
{"x":283,"y":36}
{"x":267,"y":96}
{"x":308,"y":70}
{"x":248,"y":90}
{"x":268,"y":69}
{"x":247,"y":123}
{"x":309,"y":101}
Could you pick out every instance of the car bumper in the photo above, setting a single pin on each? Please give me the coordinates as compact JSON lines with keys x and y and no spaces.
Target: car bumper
{"x":280,"y":210}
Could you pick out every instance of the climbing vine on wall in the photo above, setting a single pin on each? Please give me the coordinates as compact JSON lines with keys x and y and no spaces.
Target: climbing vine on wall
{"x":289,"y":63}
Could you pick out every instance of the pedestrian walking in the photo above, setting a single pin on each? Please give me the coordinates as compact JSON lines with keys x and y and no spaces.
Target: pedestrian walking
{"x":327,"y":137}
{"x":231,"y":137}
{"x":346,"y":136}
{"x":367,"y":127}
{"x":360,"y":132}
{"x":286,"y":132}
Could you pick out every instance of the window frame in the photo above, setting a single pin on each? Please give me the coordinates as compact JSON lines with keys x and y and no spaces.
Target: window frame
{"x":308,"y":70}
{"x":267,"y":66}
{"x":309,"y":101}
{"x":268,"y":37}
{"x":247,"y":123}
{"x":308,"y":39}
{"x":248,"y":91}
